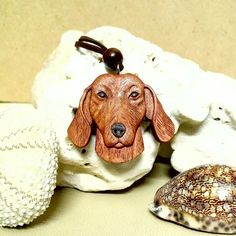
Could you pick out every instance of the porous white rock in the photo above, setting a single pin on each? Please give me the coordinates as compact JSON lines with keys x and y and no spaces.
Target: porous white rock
{"x":183,"y":88}
{"x":213,"y":140}
{"x":28,"y":164}
{"x":58,"y":88}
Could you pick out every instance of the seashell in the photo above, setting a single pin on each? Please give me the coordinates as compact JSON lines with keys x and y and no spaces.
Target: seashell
{"x":28,"y":167}
{"x":202,"y":198}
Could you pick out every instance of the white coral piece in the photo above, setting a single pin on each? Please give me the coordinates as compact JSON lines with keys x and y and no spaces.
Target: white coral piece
{"x":60,"y":84}
{"x":28,"y":165}
{"x":58,"y":88}
{"x":201,"y":105}
{"x":211,"y":141}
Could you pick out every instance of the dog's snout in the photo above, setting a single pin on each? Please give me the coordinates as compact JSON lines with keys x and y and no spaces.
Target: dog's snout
{"x":118,"y":130}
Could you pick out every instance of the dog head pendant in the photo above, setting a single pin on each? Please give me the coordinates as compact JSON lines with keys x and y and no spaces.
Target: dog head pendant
{"x":117,"y":104}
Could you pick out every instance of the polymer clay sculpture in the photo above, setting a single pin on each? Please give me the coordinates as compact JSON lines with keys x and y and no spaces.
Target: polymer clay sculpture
{"x":203,"y":198}
{"x":117,"y":104}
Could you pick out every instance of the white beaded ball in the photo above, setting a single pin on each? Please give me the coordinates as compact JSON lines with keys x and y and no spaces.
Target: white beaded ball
{"x":28,"y":166}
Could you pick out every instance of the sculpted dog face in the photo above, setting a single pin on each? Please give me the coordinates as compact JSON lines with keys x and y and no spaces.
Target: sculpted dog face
{"x":118,"y":104}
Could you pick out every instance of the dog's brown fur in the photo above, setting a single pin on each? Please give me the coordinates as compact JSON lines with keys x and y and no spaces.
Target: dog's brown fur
{"x":118,"y":106}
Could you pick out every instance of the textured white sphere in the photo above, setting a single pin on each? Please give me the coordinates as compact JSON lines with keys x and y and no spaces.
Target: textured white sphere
{"x":28,"y":165}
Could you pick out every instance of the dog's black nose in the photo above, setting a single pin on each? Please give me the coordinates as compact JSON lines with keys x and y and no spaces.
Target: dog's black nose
{"x":118,"y":130}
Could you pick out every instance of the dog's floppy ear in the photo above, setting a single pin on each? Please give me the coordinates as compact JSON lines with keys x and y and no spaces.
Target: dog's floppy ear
{"x":163,"y":126}
{"x":79,"y":130}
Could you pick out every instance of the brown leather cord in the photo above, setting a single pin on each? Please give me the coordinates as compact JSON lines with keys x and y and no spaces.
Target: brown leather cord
{"x":112,"y":57}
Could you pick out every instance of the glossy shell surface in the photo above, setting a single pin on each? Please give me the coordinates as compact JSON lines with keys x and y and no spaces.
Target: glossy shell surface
{"x":203,"y":198}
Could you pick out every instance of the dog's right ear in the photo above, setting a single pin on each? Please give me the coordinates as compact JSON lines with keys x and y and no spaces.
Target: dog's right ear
{"x":79,"y":130}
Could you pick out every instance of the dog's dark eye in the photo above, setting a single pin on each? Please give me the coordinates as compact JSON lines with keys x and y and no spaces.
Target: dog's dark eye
{"x":134,"y":94}
{"x":102,"y":94}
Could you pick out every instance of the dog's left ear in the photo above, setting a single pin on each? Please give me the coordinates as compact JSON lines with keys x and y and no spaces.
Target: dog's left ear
{"x":163,"y":126}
